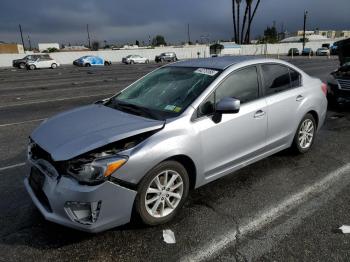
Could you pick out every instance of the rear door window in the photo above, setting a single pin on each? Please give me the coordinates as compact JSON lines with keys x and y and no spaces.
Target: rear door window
{"x":295,"y":78}
{"x":275,"y":78}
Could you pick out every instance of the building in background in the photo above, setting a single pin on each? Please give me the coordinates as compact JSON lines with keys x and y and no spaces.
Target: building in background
{"x":11,"y":49}
{"x":317,"y":36}
{"x":46,"y":46}
{"x":73,"y":48}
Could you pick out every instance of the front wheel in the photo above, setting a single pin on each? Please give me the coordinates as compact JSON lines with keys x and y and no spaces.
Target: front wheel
{"x":162,"y":192}
{"x":32,"y":67}
{"x":305,"y":135}
{"x":22,"y":65}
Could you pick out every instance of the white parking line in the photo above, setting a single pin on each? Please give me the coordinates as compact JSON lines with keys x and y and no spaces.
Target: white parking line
{"x":54,"y":100}
{"x":23,"y":122}
{"x":267,"y":216}
{"x":12,"y":166}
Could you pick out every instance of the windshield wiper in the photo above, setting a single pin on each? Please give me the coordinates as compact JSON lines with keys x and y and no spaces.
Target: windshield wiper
{"x":136,"y":109}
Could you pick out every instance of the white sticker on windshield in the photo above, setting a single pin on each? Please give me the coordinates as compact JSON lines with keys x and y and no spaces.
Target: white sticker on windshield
{"x":206,"y":71}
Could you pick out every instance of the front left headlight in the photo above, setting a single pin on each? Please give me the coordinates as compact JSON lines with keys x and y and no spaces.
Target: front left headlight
{"x":95,"y":171}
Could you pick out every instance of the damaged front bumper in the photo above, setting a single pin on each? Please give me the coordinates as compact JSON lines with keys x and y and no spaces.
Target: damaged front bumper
{"x":88,"y":208}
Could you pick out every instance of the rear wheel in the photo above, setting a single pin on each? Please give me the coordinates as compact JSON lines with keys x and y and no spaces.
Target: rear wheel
{"x":305,"y":135}
{"x":162,"y":192}
{"x":54,"y":65}
{"x":147,"y":61}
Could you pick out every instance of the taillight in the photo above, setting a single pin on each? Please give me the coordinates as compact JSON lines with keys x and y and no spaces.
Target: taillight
{"x":324,"y":88}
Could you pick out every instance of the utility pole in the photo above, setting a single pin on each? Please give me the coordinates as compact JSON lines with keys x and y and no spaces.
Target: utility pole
{"x":20,"y":30}
{"x":188,"y":33}
{"x":88,"y":33}
{"x":30,"y":44}
{"x":305,"y":16}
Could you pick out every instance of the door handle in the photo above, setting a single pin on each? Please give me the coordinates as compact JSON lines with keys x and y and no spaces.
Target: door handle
{"x":299,"y":98}
{"x":259,"y":114}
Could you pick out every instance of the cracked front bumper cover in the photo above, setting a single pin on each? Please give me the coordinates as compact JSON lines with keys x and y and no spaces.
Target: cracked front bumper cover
{"x":116,"y":202}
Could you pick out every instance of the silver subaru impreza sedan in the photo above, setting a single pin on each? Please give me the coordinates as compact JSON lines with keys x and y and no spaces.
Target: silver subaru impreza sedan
{"x":177,"y":128}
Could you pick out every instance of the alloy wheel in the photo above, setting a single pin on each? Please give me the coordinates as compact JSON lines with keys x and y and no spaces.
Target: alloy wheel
{"x":306,"y":134}
{"x":164,"y":194}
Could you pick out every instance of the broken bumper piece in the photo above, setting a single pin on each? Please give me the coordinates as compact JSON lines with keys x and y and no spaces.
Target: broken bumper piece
{"x":88,"y":208}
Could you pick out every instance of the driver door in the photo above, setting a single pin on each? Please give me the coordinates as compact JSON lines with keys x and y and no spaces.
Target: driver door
{"x":237,"y":138}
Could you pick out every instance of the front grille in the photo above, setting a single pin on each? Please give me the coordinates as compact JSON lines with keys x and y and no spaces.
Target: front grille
{"x":344,"y":83}
{"x":36,"y":182}
{"x":38,"y":153}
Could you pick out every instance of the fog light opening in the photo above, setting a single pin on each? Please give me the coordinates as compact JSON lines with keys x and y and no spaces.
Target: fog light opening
{"x":83,"y":212}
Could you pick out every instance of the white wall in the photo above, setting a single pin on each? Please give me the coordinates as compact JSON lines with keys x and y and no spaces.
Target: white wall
{"x":116,"y":55}
{"x":181,"y":52}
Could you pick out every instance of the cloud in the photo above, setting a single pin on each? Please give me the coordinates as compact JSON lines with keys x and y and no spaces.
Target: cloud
{"x":127,"y":20}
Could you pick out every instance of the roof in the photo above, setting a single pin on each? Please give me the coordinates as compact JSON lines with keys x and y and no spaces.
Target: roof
{"x":221,"y":62}
{"x":294,"y":39}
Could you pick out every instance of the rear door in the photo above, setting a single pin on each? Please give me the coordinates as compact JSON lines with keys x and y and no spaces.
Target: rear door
{"x":284,"y":95}
{"x":237,"y":137}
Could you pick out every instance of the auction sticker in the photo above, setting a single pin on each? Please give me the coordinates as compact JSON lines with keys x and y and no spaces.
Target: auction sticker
{"x":206,"y":71}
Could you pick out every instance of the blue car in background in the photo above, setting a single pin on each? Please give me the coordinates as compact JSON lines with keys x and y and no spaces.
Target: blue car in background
{"x":91,"y":61}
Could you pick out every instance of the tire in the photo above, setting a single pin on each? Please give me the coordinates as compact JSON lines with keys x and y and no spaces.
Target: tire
{"x":54,"y":65}
{"x":32,"y":67}
{"x":22,"y":65}
{"x":163,"y":212}
{"x":306,"y":125}
{"x":132,"y":62}
{"x":147,"y":61}
{"x":107,"y":63}
{"x":87,"y":65}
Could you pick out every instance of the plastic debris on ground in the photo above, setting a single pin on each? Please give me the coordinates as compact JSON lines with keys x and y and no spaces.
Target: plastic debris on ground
{"x":169,"y":236}
{"x":345,"y":229}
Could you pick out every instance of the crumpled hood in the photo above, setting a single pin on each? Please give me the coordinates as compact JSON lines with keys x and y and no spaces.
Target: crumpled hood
{"x":78,"y":131}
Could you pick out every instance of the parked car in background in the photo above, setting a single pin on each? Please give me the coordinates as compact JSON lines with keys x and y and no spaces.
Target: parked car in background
{"x":166,"y":57}
{"x":21,"y":63}
{"x":42,"y":62}
{"x":178,"y":128}
{"x":339,"y":85}
{"x":293,"y":51}
{"x":135,"y":59}
{"x":307,"y":52}
{"x":323,"y":51}
{"x":90,"y":60}
{"x":334,"y":49}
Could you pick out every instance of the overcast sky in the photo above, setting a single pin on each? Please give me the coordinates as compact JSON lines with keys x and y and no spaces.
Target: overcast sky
{"x":124,"y":21}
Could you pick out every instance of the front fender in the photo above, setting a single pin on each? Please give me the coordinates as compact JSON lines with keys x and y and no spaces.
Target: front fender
{"x":157,"y":148}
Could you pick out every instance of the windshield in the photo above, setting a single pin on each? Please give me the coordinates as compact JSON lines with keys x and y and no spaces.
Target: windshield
{"x":167,"y":91}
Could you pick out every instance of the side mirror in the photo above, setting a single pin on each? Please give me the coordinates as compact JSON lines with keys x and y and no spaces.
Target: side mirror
{"x":227,"y":105}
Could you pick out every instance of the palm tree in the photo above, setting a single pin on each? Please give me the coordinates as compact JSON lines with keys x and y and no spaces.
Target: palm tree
{"x":251,"y":17}
{"x":234,"y":19}
{"x":248,"y":4}
{"x":238,"y":2}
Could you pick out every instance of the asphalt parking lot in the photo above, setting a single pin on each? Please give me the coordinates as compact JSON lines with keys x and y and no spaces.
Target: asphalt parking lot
{"x":285,"y":207}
